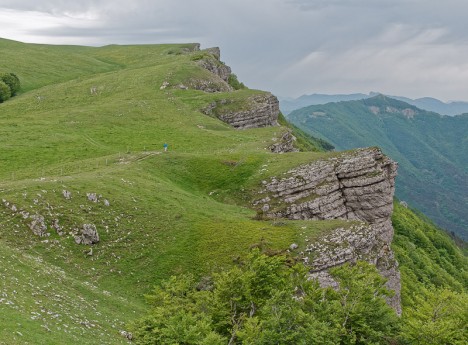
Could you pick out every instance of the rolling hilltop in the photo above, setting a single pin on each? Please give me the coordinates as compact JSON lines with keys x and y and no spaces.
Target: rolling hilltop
{"x":94,"y":213}
{"x":431,"y":150}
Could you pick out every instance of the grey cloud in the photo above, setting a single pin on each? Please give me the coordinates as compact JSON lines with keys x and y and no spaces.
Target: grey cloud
{"x":289,"y":46}
{"x":322,"y":4}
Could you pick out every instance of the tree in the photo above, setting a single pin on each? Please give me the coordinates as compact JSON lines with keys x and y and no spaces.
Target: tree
{"x":5,"y":92}
{"x":264,"y":301}
{"x":439,"y":317}
{"x":12,"y":81}
{"x":364,"y":316}
{"x":235,"y":83}
{"x":179,"y":315}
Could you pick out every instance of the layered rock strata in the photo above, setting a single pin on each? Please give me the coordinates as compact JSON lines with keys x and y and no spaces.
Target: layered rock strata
{"x":261,"y":110}
{"x":214,"y":65}
{"x":357,"y":186}
{"x":219,"y":82}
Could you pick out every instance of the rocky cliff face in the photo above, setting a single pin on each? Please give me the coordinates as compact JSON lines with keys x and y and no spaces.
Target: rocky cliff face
{"x":355,"y":186}
{"x":214,"y":65}
{"x":261,"y":110}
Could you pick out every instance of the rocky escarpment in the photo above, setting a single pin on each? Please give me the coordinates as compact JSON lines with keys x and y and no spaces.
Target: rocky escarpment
{"x":215,"y":78}
{"x":210,"y":60}
{"x":355,"y":186}
{"x":260,"y":110}
{"x":213,"y":64}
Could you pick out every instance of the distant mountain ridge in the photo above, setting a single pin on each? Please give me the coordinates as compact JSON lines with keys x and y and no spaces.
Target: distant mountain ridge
{"x":431,"y":150}
{"x":288,"y":105}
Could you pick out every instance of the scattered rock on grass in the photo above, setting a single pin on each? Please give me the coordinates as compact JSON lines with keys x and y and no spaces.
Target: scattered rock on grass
{"x":38,"y":225}
{"x":89,"y":235}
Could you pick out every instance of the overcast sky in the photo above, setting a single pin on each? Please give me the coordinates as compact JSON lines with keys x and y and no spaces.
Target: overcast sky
{"x":410,"y":48}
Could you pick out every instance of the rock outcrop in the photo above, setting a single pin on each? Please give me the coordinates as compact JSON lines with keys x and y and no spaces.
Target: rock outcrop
{"x":218,"y":81}
{"x":38,"y":225}
{"x":284,"y":144}
{"x":213,"y":64}
{"x":213,"y":84}
{"x":93,"y":197}
{"x":261,"y":110}
{"x":357,"y":186}
{"x":66,"y":194}
{"x":214,"y":79}
{"x":88,"y":235}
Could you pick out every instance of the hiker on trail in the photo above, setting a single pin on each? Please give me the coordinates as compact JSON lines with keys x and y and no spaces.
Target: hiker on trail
{"x":165,"y":147}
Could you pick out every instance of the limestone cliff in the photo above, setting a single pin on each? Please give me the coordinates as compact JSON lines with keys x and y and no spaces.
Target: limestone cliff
{"x":213,"y":64}
{"x":356,"y":186}
{"x":261,"y":110}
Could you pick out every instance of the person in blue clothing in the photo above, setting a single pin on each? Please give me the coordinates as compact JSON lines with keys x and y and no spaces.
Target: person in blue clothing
{"x":165,"y":147}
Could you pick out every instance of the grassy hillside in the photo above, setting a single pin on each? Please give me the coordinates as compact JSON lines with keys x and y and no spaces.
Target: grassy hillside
{"x":431,"y":150}
{"x":157,"y":214}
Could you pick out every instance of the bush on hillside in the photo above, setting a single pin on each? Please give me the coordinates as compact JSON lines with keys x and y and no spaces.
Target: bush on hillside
{"x":234,"y":82}
{"x":5,"y":92}
{"x":12,"y":81}
{"x":265,"y":301}
{"x":439,"y":317}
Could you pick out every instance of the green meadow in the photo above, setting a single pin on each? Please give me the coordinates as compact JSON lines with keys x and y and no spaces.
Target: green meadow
{"x":188,"y":209}
{"x":94,"y":120}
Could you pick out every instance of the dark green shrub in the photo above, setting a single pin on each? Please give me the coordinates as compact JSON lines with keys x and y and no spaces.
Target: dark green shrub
{"x":265,"y":301}
{"x":12,"y":81}
{"x":5,"y":92}
{"x":236,"y":85}
{"x":200,"y":55}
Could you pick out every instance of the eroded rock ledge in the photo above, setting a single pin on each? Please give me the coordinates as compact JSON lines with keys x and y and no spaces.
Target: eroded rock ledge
{"x":357,"y":186}
{"x":261,"y":110}
{"x":214,"y":64}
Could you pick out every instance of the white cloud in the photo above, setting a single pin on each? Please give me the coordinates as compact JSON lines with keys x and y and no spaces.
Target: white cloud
{"x":27,"y":26}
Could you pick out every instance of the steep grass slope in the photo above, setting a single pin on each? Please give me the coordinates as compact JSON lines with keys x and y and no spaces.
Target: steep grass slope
{"x":94,"y":121}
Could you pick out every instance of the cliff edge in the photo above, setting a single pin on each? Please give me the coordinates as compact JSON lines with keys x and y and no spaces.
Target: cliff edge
{"x":357,"y":186}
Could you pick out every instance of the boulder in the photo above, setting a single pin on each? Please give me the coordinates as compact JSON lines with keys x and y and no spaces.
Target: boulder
{"x":38,"y":225}
{"x":88,"y":235}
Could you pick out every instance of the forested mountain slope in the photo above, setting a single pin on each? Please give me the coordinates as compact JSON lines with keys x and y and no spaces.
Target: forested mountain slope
{"x":431,"y":150}
{"x":427,"y":103}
